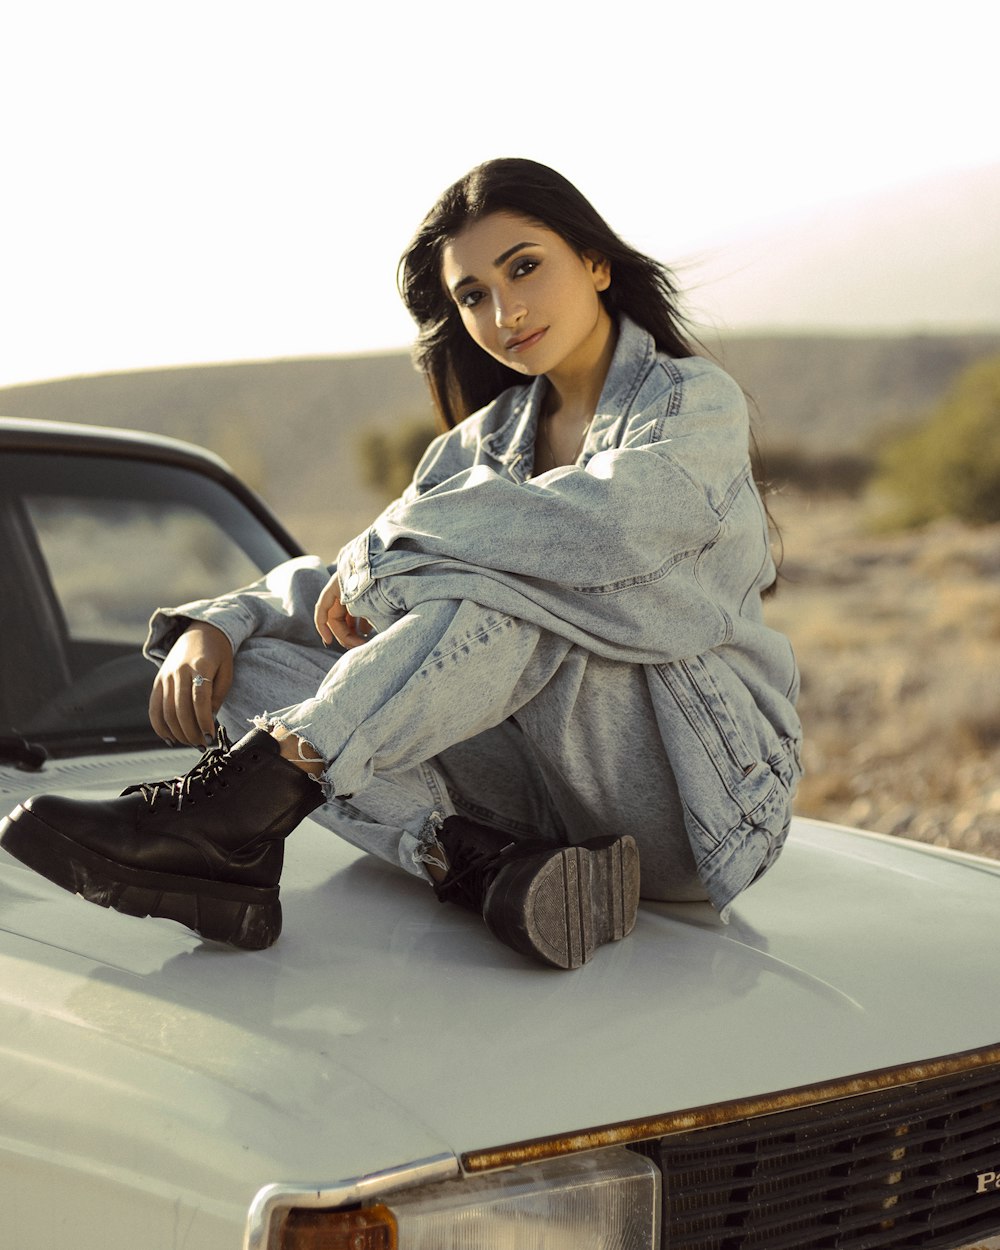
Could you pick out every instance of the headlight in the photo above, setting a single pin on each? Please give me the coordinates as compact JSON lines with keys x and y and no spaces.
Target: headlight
{"x":602,"y":1200}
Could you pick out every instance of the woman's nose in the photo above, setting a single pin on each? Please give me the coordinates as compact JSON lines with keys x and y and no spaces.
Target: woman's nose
{"x":509,"y":311}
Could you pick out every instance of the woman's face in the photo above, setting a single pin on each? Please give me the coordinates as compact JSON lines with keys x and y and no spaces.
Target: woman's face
{"x":525,"y":296}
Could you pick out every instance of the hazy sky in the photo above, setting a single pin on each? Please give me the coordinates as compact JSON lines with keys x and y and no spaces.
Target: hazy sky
{"x":229,"y":179}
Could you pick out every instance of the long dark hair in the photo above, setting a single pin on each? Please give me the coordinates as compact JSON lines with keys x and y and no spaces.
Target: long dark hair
{"x":461,"y":376}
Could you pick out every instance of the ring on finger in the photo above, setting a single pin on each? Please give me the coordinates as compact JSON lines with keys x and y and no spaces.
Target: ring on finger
{"x":199,"y":680}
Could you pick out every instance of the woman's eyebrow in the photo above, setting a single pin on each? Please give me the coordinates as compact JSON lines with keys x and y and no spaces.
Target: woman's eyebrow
{"x":466,"y":281}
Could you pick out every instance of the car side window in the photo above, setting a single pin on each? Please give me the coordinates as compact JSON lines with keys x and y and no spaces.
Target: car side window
{"x":92,"y":545}
{"x":112,"y":562}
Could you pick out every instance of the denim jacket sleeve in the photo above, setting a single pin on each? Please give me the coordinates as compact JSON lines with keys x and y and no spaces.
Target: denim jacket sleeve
{"x":279,"y":604}
{"x":640,"y":553}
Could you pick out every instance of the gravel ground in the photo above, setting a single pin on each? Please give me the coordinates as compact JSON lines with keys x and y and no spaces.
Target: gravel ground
{"x":898,"y":639}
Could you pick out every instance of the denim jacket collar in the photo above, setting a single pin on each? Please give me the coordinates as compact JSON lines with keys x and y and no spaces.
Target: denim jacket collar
{"x":512,"y":444}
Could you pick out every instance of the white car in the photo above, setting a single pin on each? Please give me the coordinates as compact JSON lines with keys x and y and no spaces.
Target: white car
{"x":824,"y":1071}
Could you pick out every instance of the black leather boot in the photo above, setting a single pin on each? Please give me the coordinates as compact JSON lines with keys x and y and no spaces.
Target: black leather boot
{"x":555,"y":903}
{"x":205,"y":849}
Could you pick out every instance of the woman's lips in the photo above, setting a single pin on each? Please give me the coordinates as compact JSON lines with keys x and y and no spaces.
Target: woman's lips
{"x":525,"y":341}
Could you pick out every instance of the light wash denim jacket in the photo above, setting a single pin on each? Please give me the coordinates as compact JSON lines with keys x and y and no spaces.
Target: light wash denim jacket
{"x":653,"y":549}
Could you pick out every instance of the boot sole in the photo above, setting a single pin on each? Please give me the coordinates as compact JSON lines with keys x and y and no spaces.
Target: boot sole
{"x":577,"y":900}
{"x":248,"y":917}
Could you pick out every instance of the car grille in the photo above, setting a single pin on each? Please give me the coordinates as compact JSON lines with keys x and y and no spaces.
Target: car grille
{"x":894,"y":1168}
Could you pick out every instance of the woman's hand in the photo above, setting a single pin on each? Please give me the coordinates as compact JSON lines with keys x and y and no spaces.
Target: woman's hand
{"x":333,"y":621}
{"x":191,"y":685}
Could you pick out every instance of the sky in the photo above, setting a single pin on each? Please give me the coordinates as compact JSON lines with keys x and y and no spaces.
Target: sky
{"x":231,"y":180}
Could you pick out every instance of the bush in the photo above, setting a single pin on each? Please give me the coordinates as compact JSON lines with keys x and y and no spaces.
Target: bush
{"x":950,"y":466}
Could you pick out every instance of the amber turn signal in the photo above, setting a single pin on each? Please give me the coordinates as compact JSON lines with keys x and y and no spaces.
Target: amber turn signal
{"x":365,"y":1228}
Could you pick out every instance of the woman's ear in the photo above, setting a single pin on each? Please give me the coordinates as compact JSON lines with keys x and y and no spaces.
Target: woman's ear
{"x":600,"y":269}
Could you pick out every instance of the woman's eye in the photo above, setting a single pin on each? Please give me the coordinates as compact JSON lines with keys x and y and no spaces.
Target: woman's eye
{"x":524,"y":266}
{"x":470,"y":299}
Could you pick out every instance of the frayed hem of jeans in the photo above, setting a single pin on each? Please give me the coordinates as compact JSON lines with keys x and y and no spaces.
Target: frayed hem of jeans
{"x":429,"y":853}
{"x":269,"y":724}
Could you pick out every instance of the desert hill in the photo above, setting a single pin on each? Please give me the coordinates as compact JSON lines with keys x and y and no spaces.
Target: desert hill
{"x":834,"y":394}
{"x":293,"y":428}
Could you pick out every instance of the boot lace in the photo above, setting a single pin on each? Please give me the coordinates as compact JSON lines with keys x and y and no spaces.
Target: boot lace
{"x":470,"y":874}
{"x":179,"y":790}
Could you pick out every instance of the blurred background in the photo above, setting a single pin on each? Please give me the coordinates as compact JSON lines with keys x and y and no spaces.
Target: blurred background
{"x":203,"y":206}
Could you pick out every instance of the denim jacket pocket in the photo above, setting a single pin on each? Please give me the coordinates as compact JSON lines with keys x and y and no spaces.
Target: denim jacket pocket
{"x":730,"y":765}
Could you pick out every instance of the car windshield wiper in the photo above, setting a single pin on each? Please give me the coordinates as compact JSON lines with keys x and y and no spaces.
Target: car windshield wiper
{"x":22,"y":753}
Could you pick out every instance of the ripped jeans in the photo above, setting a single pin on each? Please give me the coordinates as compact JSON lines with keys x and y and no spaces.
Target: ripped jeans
{"x":456,"y":709}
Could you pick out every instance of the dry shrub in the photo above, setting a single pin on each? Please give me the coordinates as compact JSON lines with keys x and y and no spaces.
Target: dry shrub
{"x":951,"y":465}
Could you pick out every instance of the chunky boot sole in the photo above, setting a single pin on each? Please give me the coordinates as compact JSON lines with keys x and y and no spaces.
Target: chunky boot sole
{"x":561,"y":907}
{"x":248,"y":917}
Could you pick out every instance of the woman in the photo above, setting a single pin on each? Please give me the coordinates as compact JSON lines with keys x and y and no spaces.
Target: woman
{"x":542,"y":665}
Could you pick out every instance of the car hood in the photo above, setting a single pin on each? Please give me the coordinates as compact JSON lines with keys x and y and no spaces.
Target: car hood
{"x":384,"y":1028}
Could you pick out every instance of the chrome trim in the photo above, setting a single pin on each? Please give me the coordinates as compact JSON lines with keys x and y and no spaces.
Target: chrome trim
{"x":275,"y":1200}
{"x":628,"y":1131}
